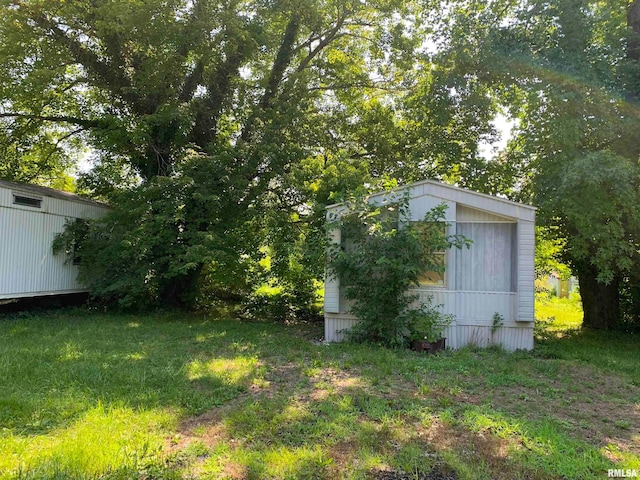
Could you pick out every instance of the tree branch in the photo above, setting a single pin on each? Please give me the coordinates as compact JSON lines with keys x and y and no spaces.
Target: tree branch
{"x":193,"y":35}
{"x":106,"y":75}
{"x":327,"y":38}
{"x":54,"y":148}
{"x":345,"y":86}
{"x":82,"y":122}
{"x":191,"y":83}
{"x":207,"y":110}
{"x":282,"y":61}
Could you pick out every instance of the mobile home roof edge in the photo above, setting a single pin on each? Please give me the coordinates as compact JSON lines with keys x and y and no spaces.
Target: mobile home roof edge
{"x":48,"y":192}
{"x":446,"y":186}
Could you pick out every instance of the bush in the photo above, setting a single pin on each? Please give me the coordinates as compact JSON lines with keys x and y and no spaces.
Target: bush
{"x":378,"y":262}
{"x":169,"y":242}
{"x":277,"y":305}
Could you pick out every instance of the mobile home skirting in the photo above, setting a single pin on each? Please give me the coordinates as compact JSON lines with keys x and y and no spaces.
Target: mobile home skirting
{"x":510,"y":336}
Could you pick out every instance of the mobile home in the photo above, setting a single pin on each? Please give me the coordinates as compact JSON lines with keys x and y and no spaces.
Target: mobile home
{"x":488,"y":288}
{"x":30,"y":217}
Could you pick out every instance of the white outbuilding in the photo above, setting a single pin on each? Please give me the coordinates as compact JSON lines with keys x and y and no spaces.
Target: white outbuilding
{"x":488,"y":288}
{"x":30,"y":218}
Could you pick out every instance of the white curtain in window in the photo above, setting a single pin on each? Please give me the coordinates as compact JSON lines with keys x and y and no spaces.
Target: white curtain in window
{"x":489,"y":265}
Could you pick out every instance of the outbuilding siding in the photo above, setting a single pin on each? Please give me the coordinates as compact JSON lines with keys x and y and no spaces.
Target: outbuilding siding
{"x":332,"y":284}
{"x":458,"y":335}
{"x":526,"y":271}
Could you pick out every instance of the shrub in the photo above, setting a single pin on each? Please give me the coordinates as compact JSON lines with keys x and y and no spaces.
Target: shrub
{"x":168,"y":242}
{"x":380,"y":258}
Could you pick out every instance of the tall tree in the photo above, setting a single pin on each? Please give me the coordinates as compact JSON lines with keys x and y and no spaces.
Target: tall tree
{"x":201,"y":108}
{"x":568,"y":71}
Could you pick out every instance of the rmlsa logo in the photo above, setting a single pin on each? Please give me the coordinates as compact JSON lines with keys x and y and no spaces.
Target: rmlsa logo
{"x":622,"y":473}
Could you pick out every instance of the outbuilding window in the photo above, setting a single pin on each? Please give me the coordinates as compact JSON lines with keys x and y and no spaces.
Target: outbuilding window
{"x":27,"y":201}
{"x":491,"y":265}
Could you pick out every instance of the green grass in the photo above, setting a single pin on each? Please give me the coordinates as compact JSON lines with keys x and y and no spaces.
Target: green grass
{"x":559,"y":321}
{"x":559,"y":313}
{"x":85,"y":395}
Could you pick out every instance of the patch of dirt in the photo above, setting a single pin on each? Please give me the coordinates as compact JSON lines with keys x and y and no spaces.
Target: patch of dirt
{"x":235,"y":471}
{"x":341,"y":451}
{"x":212,"y":423}
{"x":282,"y":378}
{"x":443,"y":396}
{"x":328,"y":382}
{"x":592,"y":407}
{"x":434,"y":474}
{"x":489,"y":449}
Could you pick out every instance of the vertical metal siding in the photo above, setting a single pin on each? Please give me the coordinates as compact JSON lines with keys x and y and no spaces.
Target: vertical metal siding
{"x":476,"y":307}
{"x":27,"y":264}
{"x":510,"y":338}
{"x":332,"y":284}
{"x":466,"y":214}
{"x":6,"y":197}
{"x":446,"y":298}
{"x":481,"y":306}
{"x":458,"y":336}
{"x":526,"y":274}
{"x":419,"y":206}
{"x":451,"y":334}
{"x":334,"y":328}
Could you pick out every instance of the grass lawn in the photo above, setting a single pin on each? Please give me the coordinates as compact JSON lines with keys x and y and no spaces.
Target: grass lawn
{"x":84,"y":395}
{"x":558,"y":314}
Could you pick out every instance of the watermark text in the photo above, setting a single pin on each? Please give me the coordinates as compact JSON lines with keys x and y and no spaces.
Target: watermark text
{"x":622,"y":473}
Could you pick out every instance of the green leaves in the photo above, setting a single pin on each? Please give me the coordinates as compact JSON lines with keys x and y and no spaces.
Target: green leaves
{"x":566,"y":72}
{"x":601,"y":195}
{"x":380,"y":259}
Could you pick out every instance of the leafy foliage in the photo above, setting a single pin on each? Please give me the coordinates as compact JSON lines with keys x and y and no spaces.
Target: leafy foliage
{"x":548,"y":254}
{"x":249,"y":93}
{"x":31,"y":156}
{"x":427,"y":322}
{"x":381,"y":257}
{"x":567,"y":73}
{"x":163,"y":244}
{"x":277,"y":109}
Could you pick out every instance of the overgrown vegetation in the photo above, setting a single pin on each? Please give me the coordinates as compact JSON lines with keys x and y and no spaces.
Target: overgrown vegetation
{"x":219,"y":131}
{"x":165,"y":244}
{"x":177,"y":396}
{"x":382,"y":255}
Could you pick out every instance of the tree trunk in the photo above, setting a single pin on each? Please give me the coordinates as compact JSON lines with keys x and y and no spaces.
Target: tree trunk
{"x":600,"y":301}
{"x":633,"y":22}
{"x":181,"y":291}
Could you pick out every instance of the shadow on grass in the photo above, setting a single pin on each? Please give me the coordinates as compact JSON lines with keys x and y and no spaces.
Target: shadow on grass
{"x":168,"y":397}
{"x":56,"y":368}
{"x":608,"y":351}
{"x":336,"y":405}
